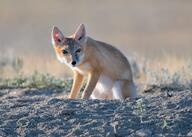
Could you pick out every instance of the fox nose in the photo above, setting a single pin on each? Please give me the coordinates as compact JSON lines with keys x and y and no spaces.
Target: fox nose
{"x":73,"y":63}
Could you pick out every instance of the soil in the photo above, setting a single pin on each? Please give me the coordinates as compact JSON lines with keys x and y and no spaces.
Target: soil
{"x":38,"y":112}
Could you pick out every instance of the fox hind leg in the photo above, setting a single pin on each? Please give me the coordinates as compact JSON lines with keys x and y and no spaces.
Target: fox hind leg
{"x":117,"y":90}
{"x":123,"y":89}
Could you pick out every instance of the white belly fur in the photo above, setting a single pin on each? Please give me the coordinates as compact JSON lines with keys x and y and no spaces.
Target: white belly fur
{"x":103,"y":88}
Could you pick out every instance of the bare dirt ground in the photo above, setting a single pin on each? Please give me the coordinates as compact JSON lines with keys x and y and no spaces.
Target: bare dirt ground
{"x":37,"y":112}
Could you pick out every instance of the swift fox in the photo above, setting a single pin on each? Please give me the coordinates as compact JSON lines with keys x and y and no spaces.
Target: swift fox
{"x":108,"y":70}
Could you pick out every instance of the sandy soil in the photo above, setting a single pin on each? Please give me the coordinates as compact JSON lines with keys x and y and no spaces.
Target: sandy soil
{"x":33,"y":112}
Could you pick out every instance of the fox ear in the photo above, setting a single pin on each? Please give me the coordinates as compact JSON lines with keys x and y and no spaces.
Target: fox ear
{"x":80,"y":34}
{"x":57,"y":36}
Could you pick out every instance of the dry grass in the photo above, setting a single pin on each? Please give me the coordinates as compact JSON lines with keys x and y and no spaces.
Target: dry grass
{"x":167,"y":70}
{"x":164,"y":70}
{"x":33,"y":63}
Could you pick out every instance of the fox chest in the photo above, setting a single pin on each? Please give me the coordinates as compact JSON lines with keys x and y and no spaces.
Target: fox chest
{"x":83,"y":69}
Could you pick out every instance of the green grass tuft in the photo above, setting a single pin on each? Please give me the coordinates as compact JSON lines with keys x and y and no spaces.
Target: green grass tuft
{"x":36,"y":80}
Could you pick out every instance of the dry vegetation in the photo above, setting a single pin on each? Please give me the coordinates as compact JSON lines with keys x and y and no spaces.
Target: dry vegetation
{"x":168,"y":71}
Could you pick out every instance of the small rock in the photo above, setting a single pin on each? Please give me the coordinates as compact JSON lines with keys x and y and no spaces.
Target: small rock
{"x":143,"y":133}
{"x":189,"y":134}
{"x":23,"y":122}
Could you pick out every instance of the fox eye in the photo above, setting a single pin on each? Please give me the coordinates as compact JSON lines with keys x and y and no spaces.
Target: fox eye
{"x":78,"y":51}
{"x":59,"y":40}
{"x":65,"y":52}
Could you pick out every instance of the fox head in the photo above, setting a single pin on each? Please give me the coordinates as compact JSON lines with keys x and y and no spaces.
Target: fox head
{"x":70,"y":50}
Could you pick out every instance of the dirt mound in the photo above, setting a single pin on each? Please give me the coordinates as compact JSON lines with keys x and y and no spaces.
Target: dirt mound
{"x":35,"y":112}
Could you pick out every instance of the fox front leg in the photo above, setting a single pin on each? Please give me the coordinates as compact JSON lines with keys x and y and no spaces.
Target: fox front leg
{"x":92,"y":81}
{"x":77,"y":81}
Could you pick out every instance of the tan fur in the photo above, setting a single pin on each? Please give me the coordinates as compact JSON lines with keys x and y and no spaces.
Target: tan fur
{"x":108,"y":70}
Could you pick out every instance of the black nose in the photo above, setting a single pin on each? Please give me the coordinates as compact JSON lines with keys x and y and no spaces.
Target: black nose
{"x":73,"y":63}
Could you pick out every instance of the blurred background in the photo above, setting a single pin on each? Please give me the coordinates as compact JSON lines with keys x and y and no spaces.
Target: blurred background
{"x":154,"y":34}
